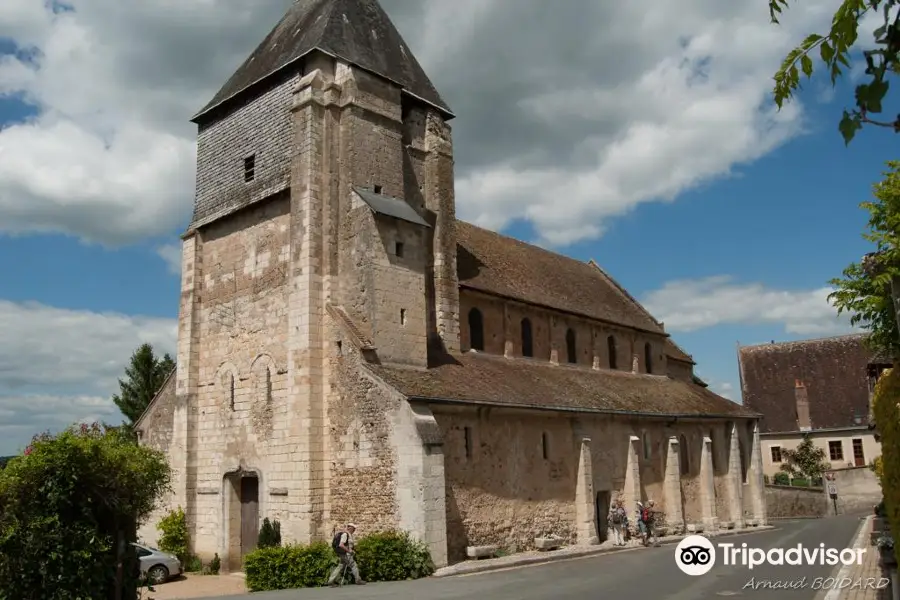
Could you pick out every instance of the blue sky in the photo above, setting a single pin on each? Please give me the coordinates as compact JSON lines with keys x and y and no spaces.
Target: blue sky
{"x":751,"y":217}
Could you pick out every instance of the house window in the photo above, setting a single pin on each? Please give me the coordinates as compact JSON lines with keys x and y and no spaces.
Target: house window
{"x":398,"y":249}
{"x":250,"y":168}
{"x":476,"y":330}
{"x":527,"y":344}
{"x":648,"y":450}
{"x":467,"y":431}
{"x":545,"y":446}
{"x":570,"y":346}
{"x":776,"y":454}
{"x":683,"y":456}
{"x":231,"y":391}
{"x":836,"y":450}
{"x":859,"y":456}
{"x":648,"y":357}
{"x":611,"y":347}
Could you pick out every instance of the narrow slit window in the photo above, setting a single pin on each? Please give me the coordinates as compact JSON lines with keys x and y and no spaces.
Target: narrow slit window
{"x":250,"y":168}
{"x":467,"y":432}
{"x":545,"y":446}
{"x":231,"y":391}
{"x":269,"y":386}
{"x":403,"y":316}
{"x":398,"y":249}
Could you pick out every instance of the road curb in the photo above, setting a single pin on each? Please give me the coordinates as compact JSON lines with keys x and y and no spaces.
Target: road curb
{"x":484,"y":567}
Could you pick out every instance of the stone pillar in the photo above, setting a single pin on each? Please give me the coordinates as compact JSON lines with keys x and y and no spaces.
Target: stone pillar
{"x":631,"y":494}
{"x":755,"y":483}
{"x":440,"y":198}
{"x":182,"y":450}
{"x":708,"y":486}
{"x":305,"y":316}
{"x":585,"y":512}
{"x":672,"y":487}
{"x":733,"y":479}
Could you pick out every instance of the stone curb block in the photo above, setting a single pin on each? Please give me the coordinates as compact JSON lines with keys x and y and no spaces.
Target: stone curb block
{"x":482,"y":567}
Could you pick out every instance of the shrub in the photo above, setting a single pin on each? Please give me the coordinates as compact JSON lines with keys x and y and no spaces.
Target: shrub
{"x":392,"y":556}
{"x":64,"y":506}
{"x":214,"y":565}
{"x":175,"y":539}
{"x":800,"y":482}
{"x":887,"y":421}
{"x":386,"y":556}
{"x":269,"y":534}
{"x":782,"y":479}
{"x":288,"y":567}
{"x":877,"y":467}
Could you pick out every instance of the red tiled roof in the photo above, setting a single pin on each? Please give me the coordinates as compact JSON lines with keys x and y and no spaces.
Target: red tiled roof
{"x":486,"y":379}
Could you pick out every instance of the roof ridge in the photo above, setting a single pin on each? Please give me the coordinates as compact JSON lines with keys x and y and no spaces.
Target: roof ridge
{"x":804,"y":341}
{"x":629,"y":297}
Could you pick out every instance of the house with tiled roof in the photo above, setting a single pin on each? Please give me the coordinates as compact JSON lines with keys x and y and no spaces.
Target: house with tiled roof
{"x":819,"y":387}
{"x":348,"y":350}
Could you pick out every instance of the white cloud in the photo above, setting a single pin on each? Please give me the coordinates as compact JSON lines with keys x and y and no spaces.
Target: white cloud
{"x":171,"y":253}
{"x":59,"y":366}
{"x":690,"y":305}
{"x":604,"y":105}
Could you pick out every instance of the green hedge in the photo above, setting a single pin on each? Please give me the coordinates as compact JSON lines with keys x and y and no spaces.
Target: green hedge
{"x":887,"y":421}
{"x":782,"y":478}
{"x":384,"y":556}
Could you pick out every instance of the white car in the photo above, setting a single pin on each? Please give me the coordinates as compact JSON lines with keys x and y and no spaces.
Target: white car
{"x":157,"y":566}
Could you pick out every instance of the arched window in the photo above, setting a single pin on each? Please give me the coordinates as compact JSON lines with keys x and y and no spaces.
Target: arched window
{"x":683,"y":456}
{"x":476,"y":330}
{"x":570,"y":346}
{"x":648,"y":357}
{"x":527,"y":345}
{"x":611,"y":347}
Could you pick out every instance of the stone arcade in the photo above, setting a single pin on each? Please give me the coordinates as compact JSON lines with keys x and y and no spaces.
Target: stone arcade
{"x":348,"y":349}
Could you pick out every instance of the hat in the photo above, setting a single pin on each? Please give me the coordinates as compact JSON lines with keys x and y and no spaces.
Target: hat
{"x":351,"y":525}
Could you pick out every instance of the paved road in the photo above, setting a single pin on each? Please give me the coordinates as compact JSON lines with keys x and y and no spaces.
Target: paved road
{"x":644,"y":572}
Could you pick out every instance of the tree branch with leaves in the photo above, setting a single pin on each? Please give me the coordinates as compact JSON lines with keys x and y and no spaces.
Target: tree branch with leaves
{"x":834,"y":49}
{"x":806,"y":461}
{"x":144,"y":376}
{"x":870,"y":289}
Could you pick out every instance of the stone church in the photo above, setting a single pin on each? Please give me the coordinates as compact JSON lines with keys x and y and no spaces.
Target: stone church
{"x":350,"y":351}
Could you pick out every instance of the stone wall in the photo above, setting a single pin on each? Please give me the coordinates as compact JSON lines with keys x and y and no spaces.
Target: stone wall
{"x":786,"y":502}
{"x":155,"y":429}
{"x":503,"y":335}
{"x":241,"y":407}
{"x":512,"y":475}
{"x":858,"y":489}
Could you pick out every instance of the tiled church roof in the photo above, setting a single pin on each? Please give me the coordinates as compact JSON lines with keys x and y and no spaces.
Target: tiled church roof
{"x":358,"y":31}
{"x":495,"y":380}
{"x":832,"y":369}
{"x":497,"y":264}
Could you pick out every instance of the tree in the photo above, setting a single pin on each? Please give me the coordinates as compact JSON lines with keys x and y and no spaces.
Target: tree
{"x":806,"y":461}
{"x":145,"y":375}
{"x":870,"y":289}
{"x":833,"y":48}
{"x":69,"y":506}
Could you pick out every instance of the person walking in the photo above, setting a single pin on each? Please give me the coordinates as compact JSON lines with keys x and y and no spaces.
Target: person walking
{"x":618,"y":521}
{"x":646,"y":518}
{"x":343,"y":546}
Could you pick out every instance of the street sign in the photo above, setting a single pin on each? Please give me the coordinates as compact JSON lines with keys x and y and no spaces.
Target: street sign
{"x":832,"y":489}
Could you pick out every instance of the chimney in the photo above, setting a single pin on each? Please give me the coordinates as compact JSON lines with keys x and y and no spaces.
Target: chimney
{"x":802,"y":401}
{"x":635,"y":364}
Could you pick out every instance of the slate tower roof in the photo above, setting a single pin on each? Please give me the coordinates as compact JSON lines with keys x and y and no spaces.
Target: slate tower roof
{"x":357,"y":31}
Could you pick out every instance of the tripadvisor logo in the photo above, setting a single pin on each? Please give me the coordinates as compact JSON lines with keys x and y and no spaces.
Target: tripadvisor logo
{"x":696,"y":555}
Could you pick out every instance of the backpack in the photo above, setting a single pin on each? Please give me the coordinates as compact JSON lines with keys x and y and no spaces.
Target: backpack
{"x":336,"y":542}
{"x":645,"y":515}
{"x":617,"y":516}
